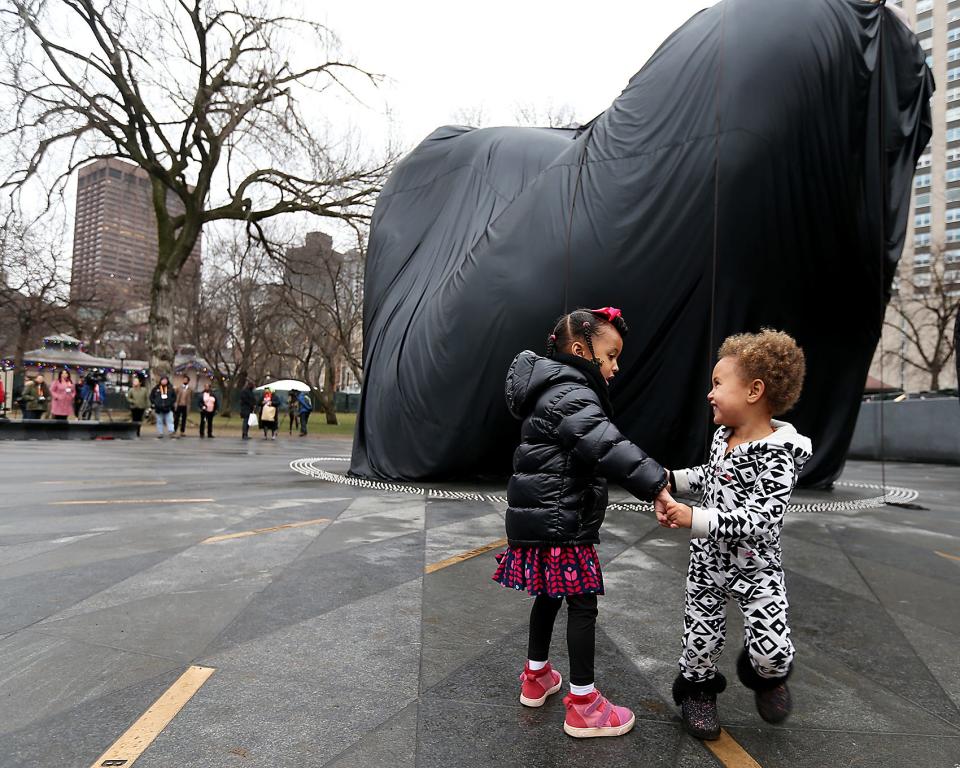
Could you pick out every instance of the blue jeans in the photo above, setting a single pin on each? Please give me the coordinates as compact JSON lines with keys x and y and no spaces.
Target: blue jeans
{"x":165,"y":419}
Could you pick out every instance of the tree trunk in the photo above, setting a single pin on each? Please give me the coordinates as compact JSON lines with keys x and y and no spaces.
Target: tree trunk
{"x":20,"y":350}
{"x":160,"y":338}
{"x":934,"y":379}
{"x":329,"y":390}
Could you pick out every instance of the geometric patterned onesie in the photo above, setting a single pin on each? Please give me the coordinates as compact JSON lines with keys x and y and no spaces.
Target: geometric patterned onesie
{"x":735,"y":553}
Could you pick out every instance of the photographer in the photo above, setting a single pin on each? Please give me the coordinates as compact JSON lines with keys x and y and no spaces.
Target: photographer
{"x":92,"y":396}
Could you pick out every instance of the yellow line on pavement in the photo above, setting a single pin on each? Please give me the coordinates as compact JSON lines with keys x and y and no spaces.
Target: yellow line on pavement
{"x":271,"y":529}
{"x":141,"y":734}
{"x":464,"y":556}
{"x":731,"y":754}
{"x":944,"y":554}
{"x":129,"y":501}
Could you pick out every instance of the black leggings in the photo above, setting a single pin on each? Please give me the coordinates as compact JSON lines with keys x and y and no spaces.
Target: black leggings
{"x":581,"y":633}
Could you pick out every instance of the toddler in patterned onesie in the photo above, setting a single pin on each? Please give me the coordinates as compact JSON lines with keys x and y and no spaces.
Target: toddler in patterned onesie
{"x":744,"y":489}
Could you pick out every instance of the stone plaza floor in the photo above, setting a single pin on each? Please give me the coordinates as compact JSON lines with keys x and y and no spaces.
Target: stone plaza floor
{"x":350,"y":627}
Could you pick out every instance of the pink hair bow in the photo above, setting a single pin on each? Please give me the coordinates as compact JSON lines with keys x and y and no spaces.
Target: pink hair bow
{"x":608,"y":313}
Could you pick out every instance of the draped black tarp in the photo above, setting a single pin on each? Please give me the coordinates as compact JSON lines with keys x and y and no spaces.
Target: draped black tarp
{"x":737,"y":182}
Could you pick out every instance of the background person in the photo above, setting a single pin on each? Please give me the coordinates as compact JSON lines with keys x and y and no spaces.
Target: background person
{"x":61,"y":394}
{"x":92,"y":396}
{"x":35,"y":398}
{"x":77,"y":398}
{"x":138,"y":399}
{"x":306,"y":408}
{"x":248,"y":402}
{"x":268,"y":415}
{"x":163,"y":401}
{"x":182,"y":408}
{"x":293,"y":408}
{"x":208,"y":408}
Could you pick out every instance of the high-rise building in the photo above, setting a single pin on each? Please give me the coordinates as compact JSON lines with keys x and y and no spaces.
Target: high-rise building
{"x":115,"y":235}
{"x":332,"y":282}
{"x":928,"y":280}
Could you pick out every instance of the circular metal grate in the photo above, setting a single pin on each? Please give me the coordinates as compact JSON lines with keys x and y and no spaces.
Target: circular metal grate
{"x":894,"y":494}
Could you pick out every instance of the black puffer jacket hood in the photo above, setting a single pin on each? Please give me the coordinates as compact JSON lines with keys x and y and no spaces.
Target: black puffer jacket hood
{"x":530,"y":374}
{"x":568,"y":450}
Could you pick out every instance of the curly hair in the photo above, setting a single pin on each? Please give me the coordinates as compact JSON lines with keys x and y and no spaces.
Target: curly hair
{"x":580,"y":325}
{"x":773,"y":357}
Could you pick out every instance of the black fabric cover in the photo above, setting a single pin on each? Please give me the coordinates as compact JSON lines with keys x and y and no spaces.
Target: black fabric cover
{"x":568,"y":449}
{"x":956,"y":346}
{"x":756,"y":127}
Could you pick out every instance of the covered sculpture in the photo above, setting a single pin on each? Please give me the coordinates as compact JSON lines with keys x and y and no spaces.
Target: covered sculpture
{"x":738,"y":181}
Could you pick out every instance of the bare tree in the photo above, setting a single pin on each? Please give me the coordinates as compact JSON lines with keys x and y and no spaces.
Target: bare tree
{"x":97,"y":317}
{"x":234,"y":321}
{"x":315,"y":353}
{"x":549,"y":115}
{"x":206,"y":97}
{"x":327,"y":286}
{"x":923,"y":314}
{"x":474,"y":116}
{"x":33,"y":287}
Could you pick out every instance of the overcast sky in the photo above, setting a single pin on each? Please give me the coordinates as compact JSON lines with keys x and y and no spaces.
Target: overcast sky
{"x":445,"y":57}
{"x":442,"y":60}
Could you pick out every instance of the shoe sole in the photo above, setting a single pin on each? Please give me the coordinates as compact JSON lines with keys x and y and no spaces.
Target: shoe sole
{"x":774,"y":720}
{"x":702,"y":735}
{"x":590,"y":733}
{"x":540,"y":702}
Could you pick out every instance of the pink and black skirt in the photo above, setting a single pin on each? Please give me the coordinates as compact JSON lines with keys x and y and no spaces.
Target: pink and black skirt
{"x":553,"y":571}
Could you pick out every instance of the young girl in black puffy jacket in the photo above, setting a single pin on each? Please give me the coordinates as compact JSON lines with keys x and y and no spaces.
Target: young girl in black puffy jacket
{"x":557,"y":499}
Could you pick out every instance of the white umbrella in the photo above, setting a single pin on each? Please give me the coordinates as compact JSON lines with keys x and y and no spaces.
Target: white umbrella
{"x":285,"y":385}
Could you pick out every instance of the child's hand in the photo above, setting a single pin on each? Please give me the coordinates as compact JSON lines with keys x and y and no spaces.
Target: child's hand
{"x":679,"y":515}
{"x":660,"y":505}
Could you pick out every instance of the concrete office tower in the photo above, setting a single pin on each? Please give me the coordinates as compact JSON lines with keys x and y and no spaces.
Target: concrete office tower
{"x":322,"y":276}
{"x":115,"y":237}
{"x":930,"y":266}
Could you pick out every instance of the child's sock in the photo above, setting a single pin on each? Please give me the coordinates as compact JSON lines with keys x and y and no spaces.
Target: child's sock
{"x":582,"y":690}
{"x":536,"y":666}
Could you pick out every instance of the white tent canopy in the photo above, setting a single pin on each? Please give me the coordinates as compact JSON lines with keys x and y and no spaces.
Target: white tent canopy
{"x":285,"y":385}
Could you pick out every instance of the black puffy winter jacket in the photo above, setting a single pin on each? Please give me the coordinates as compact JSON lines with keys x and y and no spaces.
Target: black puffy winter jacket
{"x":568,"y":449}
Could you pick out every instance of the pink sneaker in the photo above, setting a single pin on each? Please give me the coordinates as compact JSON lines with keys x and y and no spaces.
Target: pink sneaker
{"x":593,"y":715}
{"x":538,"y":685}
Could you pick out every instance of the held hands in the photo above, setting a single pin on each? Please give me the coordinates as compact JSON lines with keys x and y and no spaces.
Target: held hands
{"x":670,"y":512}
{"x":660,"y":507}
